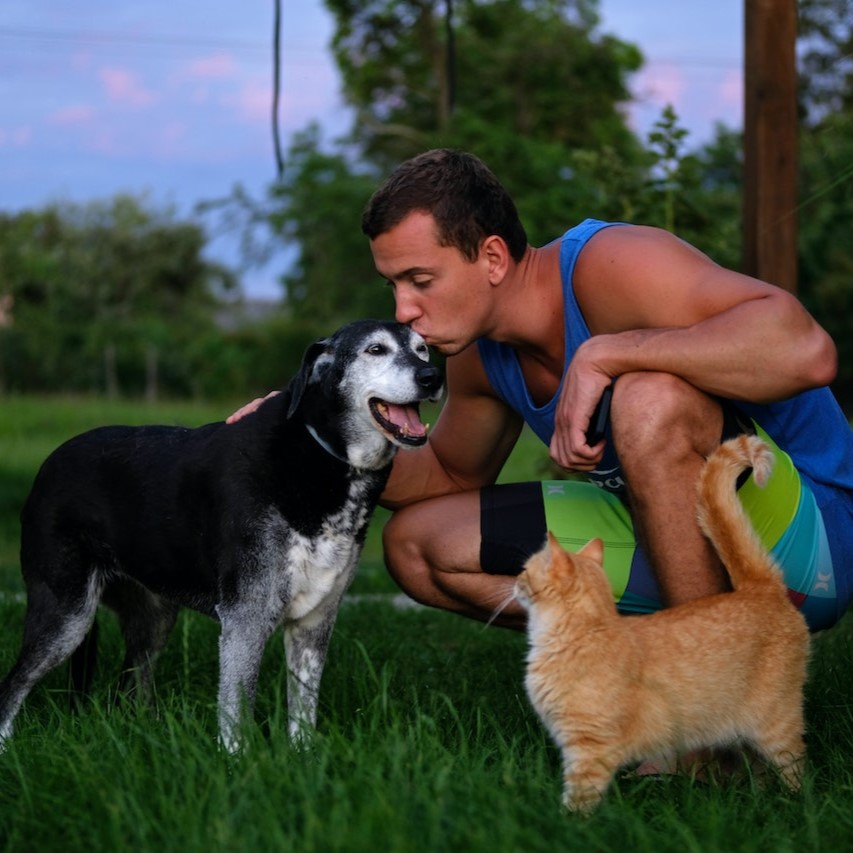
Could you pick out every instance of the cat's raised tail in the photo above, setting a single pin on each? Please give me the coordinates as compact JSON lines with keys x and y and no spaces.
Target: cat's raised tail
{"x":722,"y":517}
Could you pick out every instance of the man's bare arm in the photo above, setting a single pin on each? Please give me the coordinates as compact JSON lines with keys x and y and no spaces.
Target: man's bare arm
{"x":654,"y":303}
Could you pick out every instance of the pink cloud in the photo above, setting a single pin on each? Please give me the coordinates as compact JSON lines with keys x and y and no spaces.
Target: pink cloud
{"x":74,"y":114}
{"x":215,"y":66}
{"x":252,"y":102}
{"x":123,"y":86}
{"x":170,"y":139}
{"x":82,"y":60}
{"x":731,"y":90}
{"x":104,"y":141}
{"x":664,"y":84}
{"x":17,"y":137}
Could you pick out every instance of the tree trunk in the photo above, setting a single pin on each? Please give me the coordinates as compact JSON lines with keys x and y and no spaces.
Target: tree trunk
{"x":770,"y":142}
{"x":110,"y":371}
{"x":151,"y":374}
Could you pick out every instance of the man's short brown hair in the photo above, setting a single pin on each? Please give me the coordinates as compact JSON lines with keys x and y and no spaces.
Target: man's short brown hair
{"x":466,"y":200}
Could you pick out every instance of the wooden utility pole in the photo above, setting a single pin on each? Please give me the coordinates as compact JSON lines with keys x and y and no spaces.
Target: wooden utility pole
{"x":770,"y":142}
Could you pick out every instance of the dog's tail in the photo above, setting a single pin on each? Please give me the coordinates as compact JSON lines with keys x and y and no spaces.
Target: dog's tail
{"x":722,"y":517}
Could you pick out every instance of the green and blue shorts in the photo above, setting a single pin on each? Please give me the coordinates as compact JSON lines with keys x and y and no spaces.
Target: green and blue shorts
{"x":808,"y":542}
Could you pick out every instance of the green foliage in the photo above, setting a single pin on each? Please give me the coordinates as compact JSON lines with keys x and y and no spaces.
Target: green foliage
{"x":95,"y":292}
{"x":825,"y":57}
{"x":533,"y":70}
{"x":537,"y":96}
{"x":825,"y":214}
{"x":257,"y":357}
{"x":826,"y":250}
{"x":318,"y":206}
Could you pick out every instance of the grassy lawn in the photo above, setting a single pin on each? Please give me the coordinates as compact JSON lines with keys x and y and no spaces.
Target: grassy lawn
{"x":426,"y":741}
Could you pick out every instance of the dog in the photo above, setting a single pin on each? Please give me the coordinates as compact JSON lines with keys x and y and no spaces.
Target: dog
{"x":257,"y":523}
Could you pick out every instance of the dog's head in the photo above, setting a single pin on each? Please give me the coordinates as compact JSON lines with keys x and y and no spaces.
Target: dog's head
{"x":360,"y":389}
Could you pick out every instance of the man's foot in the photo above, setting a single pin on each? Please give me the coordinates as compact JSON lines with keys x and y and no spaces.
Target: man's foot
{"x":703,"y":765}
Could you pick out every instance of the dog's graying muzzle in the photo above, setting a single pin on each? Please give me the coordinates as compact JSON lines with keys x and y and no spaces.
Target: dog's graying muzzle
{"x":429,"y":378}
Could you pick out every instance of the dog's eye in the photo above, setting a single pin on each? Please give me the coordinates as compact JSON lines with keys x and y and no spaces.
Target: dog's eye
{"x":377,"y":349}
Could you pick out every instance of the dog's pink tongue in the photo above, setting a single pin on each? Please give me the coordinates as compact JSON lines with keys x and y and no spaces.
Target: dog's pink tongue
{"x":406,"y":418}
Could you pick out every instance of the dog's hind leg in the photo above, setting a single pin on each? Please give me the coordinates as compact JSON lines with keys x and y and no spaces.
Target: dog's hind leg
{"x":82,"y":667}
{"x":146,"y":621}
{"x":55,"y":624}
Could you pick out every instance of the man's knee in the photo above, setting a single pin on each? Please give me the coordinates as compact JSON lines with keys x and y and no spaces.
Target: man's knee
{"x":661,"y":415}
{"x":404,"y":557}
{"x":430,"y":545}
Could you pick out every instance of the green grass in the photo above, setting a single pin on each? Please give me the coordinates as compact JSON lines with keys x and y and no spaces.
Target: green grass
{"x":426,"y":741}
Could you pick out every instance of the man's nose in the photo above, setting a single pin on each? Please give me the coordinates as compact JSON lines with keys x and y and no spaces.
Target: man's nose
{"x":406,"y":309}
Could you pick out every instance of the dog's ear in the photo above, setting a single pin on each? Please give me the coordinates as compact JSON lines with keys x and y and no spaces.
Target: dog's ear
{"x":311,"y":360}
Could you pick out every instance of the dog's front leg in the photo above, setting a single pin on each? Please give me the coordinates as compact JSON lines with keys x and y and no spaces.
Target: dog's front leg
{"x":241,"y":647}
{"x":306,"y":642}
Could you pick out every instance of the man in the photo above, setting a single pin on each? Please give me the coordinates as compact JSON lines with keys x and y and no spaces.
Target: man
{"x":537,"y":334}
{"x":694,"y":352}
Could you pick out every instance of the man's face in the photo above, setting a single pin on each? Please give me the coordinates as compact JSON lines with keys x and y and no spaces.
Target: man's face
{"x":438,"y":292}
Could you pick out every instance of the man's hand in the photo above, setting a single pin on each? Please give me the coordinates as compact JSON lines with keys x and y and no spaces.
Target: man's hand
{"x":249,"y":408}
{"x":583,"y":387}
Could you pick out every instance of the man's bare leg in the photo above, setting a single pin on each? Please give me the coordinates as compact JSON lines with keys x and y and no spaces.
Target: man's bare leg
{"x":664,"y":429}
{"x":432,"y":550}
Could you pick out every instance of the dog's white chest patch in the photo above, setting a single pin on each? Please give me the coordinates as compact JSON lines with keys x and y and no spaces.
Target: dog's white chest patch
{"x":313,"y":569}
{"x":317,"y":567}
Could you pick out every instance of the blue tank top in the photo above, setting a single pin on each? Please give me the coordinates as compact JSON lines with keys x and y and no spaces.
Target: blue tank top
{"x":810,"y":427}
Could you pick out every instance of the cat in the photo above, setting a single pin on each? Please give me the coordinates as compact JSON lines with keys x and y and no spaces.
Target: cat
{"x":722,"y":670}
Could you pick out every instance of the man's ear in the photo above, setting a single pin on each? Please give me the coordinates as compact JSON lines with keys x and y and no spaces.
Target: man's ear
{"x":495,"y":252}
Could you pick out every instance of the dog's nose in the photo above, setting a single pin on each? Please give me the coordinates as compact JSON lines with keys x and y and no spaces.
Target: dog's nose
{"x":428,"y":378}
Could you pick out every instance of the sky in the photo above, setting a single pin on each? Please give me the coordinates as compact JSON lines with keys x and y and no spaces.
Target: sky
{"x":172,"y":100}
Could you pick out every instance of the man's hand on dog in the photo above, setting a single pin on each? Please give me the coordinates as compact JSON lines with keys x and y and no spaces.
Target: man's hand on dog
{"x":249,"y":408}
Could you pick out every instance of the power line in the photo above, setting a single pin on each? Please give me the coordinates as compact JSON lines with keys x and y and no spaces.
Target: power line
{"x":694,"y":62}
{"x":168,"y":40}
{"x":32,"y":34}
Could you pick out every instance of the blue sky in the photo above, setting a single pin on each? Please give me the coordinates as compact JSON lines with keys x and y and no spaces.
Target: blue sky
{"x":172,"y":99}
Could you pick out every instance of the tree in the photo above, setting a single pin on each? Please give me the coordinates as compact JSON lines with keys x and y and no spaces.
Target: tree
{"x":826,"y":174}
{"x":535,"y":83}
{"x":317,"y":206}
{"x":825,"y":50}
{"x":100,"y":291}
{"x":532,"y":70}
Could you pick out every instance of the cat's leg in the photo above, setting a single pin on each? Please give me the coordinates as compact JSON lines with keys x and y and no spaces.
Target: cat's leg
{"x":586,"y":777}
{"x":786,"y":752}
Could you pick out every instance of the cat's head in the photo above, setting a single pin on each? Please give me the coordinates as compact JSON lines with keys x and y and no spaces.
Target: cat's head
{"x":555,"y":574}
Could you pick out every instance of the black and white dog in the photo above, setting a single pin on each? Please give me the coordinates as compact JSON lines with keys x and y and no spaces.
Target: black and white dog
{"x":257,"y":523}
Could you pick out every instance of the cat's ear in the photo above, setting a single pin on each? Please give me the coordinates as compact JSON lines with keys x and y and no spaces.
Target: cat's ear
{"x":593,"y":550}
{"x":560,"y":561}
{"x":552,"y":542}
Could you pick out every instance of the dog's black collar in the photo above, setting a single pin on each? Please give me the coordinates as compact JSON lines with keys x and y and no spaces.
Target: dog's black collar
{"x":325,"y":444}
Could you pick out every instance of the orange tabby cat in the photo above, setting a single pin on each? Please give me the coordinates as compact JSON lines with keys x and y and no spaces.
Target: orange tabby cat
{"x":717,"y":671}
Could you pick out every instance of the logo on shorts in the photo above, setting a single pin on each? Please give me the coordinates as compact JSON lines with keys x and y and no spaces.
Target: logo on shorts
{"x":822,"y":582}
{"x":608,"y":478}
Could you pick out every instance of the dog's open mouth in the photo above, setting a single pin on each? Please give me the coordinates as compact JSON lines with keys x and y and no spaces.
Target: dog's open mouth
{"x":401,"y":422}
